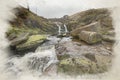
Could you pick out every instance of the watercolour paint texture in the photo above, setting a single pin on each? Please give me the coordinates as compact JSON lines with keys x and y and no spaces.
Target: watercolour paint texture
{"x":59,"y":40}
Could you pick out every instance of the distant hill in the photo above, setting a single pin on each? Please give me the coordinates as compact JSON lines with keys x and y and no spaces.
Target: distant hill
{"x":27,"y":19}
{"x":86,"y":17}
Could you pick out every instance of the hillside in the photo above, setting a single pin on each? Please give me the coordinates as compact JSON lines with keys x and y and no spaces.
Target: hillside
{"x":83,"y":18}
{"x":77,"y":44}
{"x":27,"y":21}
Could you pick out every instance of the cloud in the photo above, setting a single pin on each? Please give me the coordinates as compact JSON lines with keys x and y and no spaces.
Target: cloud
{"x":58,"y":8}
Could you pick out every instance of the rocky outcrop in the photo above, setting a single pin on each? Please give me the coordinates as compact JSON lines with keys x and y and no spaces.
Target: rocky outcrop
{"x":82,"y":65}
{"x":77,"y":58}
{"x":32,"y":42}
{"x":27,"y":43}
{"x":89,"y":16}
{"x":93,"y":33}
{"x":90,"y":37}
{"x":76,"y":66}
{"x":20,"y":39}
{"x":94,"y":20}
{"x":95,"y":27}
{"x":78,"y":48}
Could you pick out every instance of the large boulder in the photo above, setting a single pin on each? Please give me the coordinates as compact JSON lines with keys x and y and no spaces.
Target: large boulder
{"x":95,"y":27}
{"x":90,"y":37}
{"x":32,"y":43}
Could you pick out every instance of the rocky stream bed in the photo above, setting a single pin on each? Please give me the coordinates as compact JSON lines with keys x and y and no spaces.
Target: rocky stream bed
{"x":53,"y":48}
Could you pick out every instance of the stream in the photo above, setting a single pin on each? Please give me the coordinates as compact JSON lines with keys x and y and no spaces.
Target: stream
{"x":44,"y":60}
{"x":38,"y":62}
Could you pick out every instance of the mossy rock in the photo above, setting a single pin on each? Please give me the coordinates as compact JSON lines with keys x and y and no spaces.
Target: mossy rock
{"x":81,"y":65}
{"x":93,"y":27}
{"x":90,"y":37}
{"x":77,"y":66}
{"x":33,"y":41}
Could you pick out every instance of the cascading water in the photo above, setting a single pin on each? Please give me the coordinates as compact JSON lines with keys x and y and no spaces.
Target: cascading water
{"x":37,"y":62}
{"x":62,"y":30}
{"x":66,"y":30}
{"x":59,"y":29}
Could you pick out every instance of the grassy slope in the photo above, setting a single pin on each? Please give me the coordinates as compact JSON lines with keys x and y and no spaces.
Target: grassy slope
{"x":26,"y":21}
{"x":89,"y":16}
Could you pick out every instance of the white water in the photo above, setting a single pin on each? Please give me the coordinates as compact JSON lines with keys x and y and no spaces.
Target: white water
{"x":59,"y":29}
{"x":34,"y":63}
{"x":66,"y":30}
{"x":20,"y":68}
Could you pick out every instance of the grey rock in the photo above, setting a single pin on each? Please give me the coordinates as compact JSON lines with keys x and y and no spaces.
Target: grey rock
{"x":95,"y":27}
{"x":90,"y":37}
{"x":31,"y":44}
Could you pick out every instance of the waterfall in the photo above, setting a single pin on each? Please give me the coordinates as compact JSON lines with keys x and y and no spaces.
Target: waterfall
{"x":66,"y":30}
{"x":59,"y":28}
{"x":62,"y":31}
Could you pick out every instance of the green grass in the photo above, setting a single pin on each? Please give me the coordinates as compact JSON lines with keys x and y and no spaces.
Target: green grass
{"x":18,"y":31}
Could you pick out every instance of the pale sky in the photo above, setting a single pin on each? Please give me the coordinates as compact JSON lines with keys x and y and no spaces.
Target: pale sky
{"x":59,"y":8}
